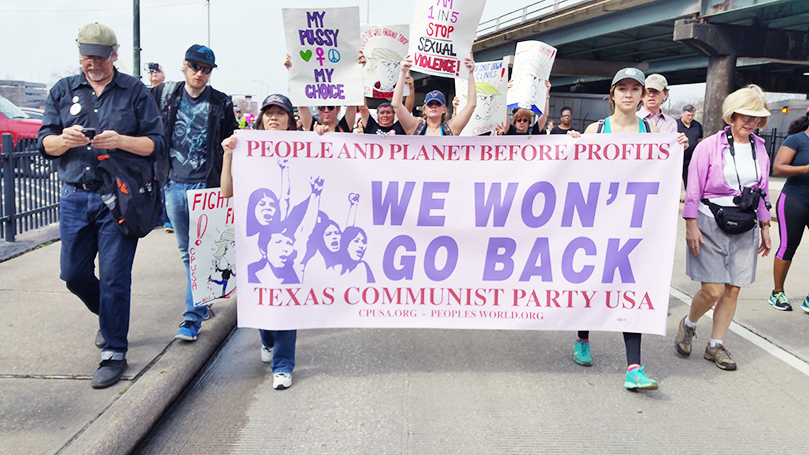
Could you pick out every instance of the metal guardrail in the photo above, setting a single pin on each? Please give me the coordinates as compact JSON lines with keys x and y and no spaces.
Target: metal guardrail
{"x":533,"y":11}
{"x":29,"y":188}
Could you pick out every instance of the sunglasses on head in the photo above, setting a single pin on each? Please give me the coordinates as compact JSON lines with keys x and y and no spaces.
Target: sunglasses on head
{"x":326,"y":108}
{"x":197,"y":67}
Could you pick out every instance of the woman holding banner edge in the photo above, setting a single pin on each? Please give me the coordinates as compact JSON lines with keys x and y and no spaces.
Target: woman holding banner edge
{"x":435,"y":121}
{"x":626,"y":94}
{"x":277,"y":346}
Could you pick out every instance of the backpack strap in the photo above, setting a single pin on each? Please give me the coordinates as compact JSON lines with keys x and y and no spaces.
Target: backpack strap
{"x":646,"y":125}
{"x":600,"y":126}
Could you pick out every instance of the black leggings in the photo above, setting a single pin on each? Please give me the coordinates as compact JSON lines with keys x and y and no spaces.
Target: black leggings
{"x":631,"y":342}
{"x":793,"y":218}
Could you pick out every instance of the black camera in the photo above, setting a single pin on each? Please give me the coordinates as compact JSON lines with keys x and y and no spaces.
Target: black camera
{"x":153,"y":67}
{"x":749,"y":199}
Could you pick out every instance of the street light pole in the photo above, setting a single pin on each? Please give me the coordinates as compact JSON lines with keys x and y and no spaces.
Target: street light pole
{"x":136,"y":38}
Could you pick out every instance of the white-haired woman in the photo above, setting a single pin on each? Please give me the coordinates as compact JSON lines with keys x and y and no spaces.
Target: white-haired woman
{"x":729,"y":169}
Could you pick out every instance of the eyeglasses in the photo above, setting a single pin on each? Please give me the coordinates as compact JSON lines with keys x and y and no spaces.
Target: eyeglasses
{"x":197,"y":67}
{"x":520,"y":120}
{"x":750,"y":118}
{"x":326,"y":108}
{"x":566,"y":115}
{"x":95,"y":58}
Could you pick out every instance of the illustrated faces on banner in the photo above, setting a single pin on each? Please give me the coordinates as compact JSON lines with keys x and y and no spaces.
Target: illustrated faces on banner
{"x":490,"y":82}
{"x":532,"y":67}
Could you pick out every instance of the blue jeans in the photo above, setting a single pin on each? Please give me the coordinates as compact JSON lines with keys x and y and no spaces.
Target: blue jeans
{"x":87,"y":229}
{"x":283,"y":352}
{"x":177,"y":208}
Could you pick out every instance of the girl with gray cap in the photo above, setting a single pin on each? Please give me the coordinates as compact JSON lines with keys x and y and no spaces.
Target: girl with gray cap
{"x":626,"y":95}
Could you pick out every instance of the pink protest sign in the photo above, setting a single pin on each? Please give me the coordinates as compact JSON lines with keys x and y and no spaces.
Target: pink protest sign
{"x":442,"y":35}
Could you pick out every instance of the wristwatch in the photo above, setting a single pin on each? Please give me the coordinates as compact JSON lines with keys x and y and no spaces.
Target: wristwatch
{"x":763,"y":223}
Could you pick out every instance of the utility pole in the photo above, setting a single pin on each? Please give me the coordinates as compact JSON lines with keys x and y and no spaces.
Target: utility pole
{"x":136,"y":38}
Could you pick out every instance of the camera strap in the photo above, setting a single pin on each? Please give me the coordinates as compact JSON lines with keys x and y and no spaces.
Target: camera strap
{"x":729,"y":135}
{"x":87,"y":100}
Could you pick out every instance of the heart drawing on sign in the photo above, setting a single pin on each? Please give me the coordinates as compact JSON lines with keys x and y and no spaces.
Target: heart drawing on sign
{"x":306,"y":55}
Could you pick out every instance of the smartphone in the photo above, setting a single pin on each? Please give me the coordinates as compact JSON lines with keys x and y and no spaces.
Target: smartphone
{"x":89,"y":132}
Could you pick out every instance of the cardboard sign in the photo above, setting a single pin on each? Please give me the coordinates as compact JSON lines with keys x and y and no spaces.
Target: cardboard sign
{"x":442,"y":35}
{"x":211,"y":247}
{"x":533,"y":61}
{"x":492,"y":232}
{"x":323,"y":44}
{"x":491,"y":81}
{"x":385,"y":46}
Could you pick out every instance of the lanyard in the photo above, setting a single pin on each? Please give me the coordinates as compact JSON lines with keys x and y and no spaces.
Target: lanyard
{"x":729,"y":136}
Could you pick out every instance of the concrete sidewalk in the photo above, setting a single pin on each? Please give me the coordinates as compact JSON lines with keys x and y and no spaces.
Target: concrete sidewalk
{"x":47,"y":355}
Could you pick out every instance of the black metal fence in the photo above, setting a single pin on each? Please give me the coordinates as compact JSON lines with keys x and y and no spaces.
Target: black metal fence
{"x":773,"y":140}
{"x":29,"y":188}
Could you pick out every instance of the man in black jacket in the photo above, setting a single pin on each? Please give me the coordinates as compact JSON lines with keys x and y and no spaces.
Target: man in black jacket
{"x":196,"y":119}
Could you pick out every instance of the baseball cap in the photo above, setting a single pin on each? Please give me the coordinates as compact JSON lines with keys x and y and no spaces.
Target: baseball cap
{"x":629,"y":73}
{"x":277,"y":100}
{"x":435,"y":95}
{"x":657,"y":82}
{"x":201,"y":54}
{"x":96,"y":40}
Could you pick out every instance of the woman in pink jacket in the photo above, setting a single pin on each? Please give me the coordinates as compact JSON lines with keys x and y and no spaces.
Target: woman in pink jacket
{"x":722,"y":167}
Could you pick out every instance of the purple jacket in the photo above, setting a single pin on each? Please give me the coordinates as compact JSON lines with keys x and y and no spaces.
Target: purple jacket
{"x":705,"y":178}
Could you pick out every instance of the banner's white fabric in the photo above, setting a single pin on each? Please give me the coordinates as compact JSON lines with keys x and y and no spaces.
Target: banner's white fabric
{"x":533,"y":61}
{"x":385,"y":46}
{"x":211,"y":246}
{"x":500,"y":232}
{"x":442,"y":35}
{"x":491,"y":81}
{"x":323,"y":44}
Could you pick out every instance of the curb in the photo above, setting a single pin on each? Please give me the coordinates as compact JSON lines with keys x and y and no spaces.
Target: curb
{"x":138,"y":408}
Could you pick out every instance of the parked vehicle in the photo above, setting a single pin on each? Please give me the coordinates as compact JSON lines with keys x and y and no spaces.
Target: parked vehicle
{"x":15,"y":121}
{"x":33,"y":112}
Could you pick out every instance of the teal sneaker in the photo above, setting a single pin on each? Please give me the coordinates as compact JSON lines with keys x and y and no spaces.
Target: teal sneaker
{"x":637,"y":380}
{"x":581,"y":353}
{"x":805,"y":304}
{"x":779,"y":301}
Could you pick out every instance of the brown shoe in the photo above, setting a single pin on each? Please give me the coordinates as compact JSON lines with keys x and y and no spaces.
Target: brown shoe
{"x":682,"y":343}
{"x":720,"y":356}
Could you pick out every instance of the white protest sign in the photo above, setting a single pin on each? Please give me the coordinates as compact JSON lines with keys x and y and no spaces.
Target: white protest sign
{"x":385,"y":46}
{"x":211,"y":246}
{"x":533,"y":61}
{"x":323,"y":44}
{"x":492,"y":232}
{"x":442,"y":35}
{"x":491,"y":81}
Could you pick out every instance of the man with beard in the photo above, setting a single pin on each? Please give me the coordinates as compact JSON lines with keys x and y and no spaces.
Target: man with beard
{"x":127,"y":122}
{"x":196,"y":118}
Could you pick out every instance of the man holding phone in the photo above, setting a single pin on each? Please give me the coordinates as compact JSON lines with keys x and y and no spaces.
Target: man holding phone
{"x":197,"y":119}
{"x":128,"y":122}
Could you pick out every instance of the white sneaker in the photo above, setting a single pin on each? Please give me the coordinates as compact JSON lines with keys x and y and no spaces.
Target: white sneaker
{"x":266,"y":354}
{"x":281,"y":381}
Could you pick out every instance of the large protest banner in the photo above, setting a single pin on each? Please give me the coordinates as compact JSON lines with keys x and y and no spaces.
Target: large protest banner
{"x":323,"y":44}
{"x":491,"y":81}
{"x":442,"y":35}
{"x":385,"y":46}
{"x":500,"y":232}
{"x":211,"y":247}
{"x":533,"y":61}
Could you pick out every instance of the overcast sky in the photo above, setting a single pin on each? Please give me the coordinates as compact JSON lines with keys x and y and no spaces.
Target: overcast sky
{"x":246,"y":35}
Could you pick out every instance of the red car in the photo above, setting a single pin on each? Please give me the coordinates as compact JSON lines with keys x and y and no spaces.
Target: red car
{"x":15,"y":121}
{"x":19,"y":124}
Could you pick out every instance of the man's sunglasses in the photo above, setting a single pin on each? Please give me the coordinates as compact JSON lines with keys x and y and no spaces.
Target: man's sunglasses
{"x":520,"y":120}
{"x":326,"y":108}
{"x":197,"y":67}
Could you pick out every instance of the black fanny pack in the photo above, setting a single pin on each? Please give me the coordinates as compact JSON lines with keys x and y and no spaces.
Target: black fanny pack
{"x":733,"y":220}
